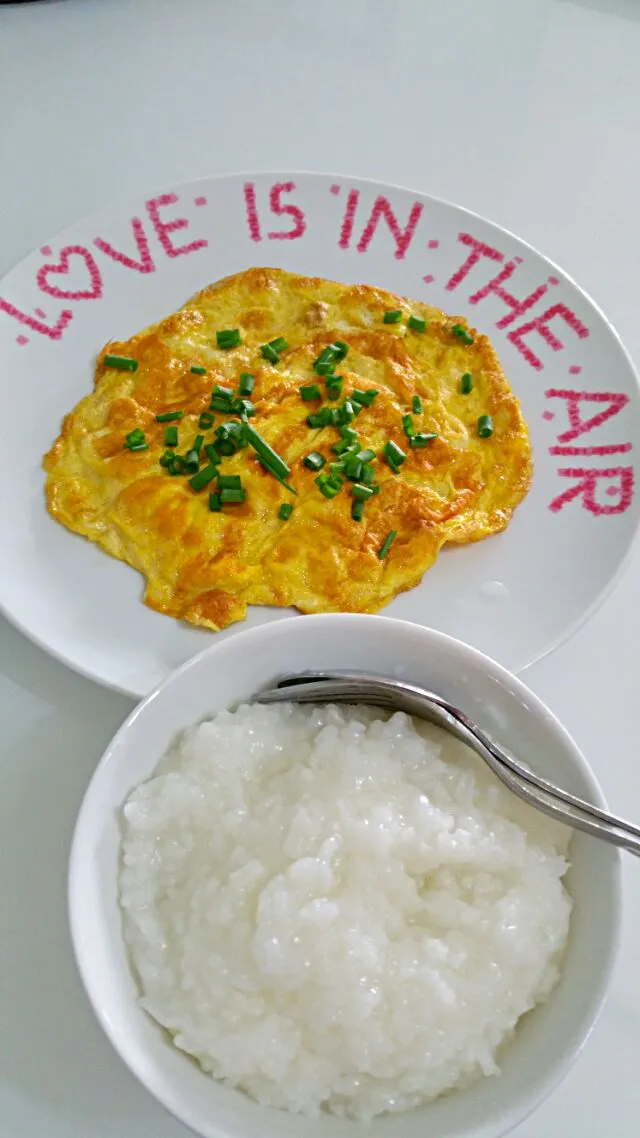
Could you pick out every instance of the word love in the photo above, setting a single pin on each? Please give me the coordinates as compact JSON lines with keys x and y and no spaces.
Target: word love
{"x":76,"y":275}
{"x":586,"y":411}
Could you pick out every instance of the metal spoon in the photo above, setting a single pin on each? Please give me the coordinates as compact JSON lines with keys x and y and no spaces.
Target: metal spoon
{"x":396,"y":695}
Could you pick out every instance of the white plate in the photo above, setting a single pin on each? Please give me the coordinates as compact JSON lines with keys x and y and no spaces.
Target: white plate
{"x":515,"y":596}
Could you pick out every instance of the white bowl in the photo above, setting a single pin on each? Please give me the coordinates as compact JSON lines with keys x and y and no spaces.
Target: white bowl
{"x":547,"y":1040}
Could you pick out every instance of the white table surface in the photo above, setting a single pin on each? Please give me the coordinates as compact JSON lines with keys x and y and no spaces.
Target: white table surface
{"x":527,"y":111}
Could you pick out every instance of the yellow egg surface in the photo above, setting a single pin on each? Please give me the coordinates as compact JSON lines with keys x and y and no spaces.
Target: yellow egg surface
{"x":206,"y":567}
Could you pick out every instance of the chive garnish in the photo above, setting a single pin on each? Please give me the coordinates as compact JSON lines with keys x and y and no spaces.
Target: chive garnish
{"x":228,"y":338}
{"x":234,"y":495}
{"x":244,"y":407}
{"x":461,"y":333}
{"x":327,"y":355}
{"x":407,"y":426}
{"x":353,"y":468}
{"x":197,"y":443}
{"x":245,"y":387}
{"x":357,"y":510}
{"x":191,"y":461}
{"x":229,"y":482}
{"x":327,"y":368}
{"x":197,"y":370}
{"x":268,"y":352}
{"x":349,"y":433}
{"x":171,"y":436}
{"x":269,"y":458}
{"x":361,"y":492}
{"x":214,"y":503}
{"x":224,"y":392}
{"x":340,"y":349}
{"x":135,"y":440}
{"x":310,"y":392}
{"x":328,"y":486}
{"x":368,"y":475}
{"x":206,"y":420}
{"x":314,"y":461}
{"x":226,"y":448}
{"x":169,"y":416}
{"x":334,"y":386}
{"x":423,"y":439}
{"x":203,"y":477}
{"x":121,"y":363}
{"x":466,"y":383}
{"x":212,"y":454}
{"x":392,"y":316}
{"x":417,"y":324}
{"x":485,"y":426}
{"x":219,"y":403}
{"x":366,"y":455}
{"x":416,"y":405}
{"x":394,"y":455}
{"x":279,"y":344}
{"x":285,"y":511}
{"x":360,"y":397}
{"x":386,"y":545}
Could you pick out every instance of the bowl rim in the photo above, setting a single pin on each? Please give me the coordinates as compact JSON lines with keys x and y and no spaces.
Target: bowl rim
{"x":515,"y":688}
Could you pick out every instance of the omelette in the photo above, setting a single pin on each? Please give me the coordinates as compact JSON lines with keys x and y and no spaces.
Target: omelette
{"x":288,"y":440}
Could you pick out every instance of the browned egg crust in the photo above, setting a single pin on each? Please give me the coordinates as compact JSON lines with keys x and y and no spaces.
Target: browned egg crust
{"x":207,"y":567}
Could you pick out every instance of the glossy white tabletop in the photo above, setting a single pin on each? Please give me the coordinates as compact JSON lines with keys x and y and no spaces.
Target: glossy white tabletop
{"x":526,"y":111}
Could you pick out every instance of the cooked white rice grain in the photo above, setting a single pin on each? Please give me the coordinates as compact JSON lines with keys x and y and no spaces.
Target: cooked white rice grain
{"x":333,"y":909}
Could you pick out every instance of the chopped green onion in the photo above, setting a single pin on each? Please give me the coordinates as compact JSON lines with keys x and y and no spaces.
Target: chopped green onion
{"x":368,"y":474}
{"x":314,"y":461}
{"x":245,"y":387}
{"x":268,"y":352}
{"x":417,"y":324}
{"x":228,"y":338}
{"x":171,"y":436}
{"x":226,"y":447}
{"x":327,"y":355}
{"x":206,"y":420}
{"x":203,"y":477}
{"x":268,"y":456}
{"x":466,"y":383}
{"x":232,"y":496}
{"x":416,"y":405}
{"x":349,"y":433}
{"x":361,"y":491}
{"x":219,"y":403}
{"x":197,"y":444}
{"x":324,"y":368}
{"x":121,"y":363}
{"x":460,"y":331}
{"x":139,"y":446}
{"x":360,"y":397}
{"x":212,"y":454}
{"x":328,"y":486}
{"x":392,"y":316}
{"x":229,"y":482}
{"x":348,"y":411}
{"x":167,"y":458}
{"x":367,"y":455}
{"x":191,"y":461}
{"x":197,"y":370}
{"x":372,"y":393}
{"x":337,"y":467}
{"x":335,"y":416}
{"x":334,"y":386}
{"x":407,"y":426}
{"x":386,"y":545}
{"x":169,"y":416}
{"x":340,"y":349}
{"x":343,"y":446}
{"x":285,"y":511}
{"x":135,"y":439}
{"x":223,"y":392}
{"x":244,"y":407}
{"x":353,"y":468}
{"x":485,"y":426}
{"x":423,"y":439}
{"x":394,"y":455}
{"x":214,"y":503}
{"x":357,"y":510}
{"x":279,"y":344}
{"x":310,"y":392}
{"x":231,"y":430}
{"x":178,"y":465}
{"x":321,"y":418}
